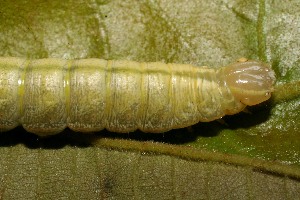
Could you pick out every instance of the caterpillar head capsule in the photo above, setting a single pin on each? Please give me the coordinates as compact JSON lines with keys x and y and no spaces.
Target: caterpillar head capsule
{"x":251,"y":82}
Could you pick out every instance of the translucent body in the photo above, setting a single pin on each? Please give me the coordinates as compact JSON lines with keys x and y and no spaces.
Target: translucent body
{"x":45,"y":96}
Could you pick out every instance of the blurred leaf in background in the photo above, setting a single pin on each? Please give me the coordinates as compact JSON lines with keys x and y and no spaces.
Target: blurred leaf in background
{"x":212,"y":33}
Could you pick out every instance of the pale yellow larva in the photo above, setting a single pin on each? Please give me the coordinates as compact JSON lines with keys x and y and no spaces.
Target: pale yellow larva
{"x":47,"y":95}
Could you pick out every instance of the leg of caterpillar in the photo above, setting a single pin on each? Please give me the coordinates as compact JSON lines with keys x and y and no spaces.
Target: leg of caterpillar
{"x":88,"y":95}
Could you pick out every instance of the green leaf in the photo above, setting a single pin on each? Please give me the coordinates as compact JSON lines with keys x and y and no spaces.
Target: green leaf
{"x":233,"y":159}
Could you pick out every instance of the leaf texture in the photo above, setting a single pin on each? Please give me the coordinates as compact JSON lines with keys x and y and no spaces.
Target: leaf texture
{"x":212,"y":33}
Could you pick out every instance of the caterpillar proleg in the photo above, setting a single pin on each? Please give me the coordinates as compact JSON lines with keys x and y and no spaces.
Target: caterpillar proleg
{"x":47,"y":95}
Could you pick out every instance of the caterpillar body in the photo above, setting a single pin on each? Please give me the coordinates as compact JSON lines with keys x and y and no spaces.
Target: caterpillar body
{"x":47,"y":95}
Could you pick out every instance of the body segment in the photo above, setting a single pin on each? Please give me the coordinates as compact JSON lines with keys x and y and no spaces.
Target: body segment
{"x":47,"y":95}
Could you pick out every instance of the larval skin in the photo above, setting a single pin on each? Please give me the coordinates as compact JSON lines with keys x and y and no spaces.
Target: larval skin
{"x":47,"y":95}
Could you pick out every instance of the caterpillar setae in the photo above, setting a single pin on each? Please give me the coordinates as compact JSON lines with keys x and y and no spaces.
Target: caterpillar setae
{"x":47,"y":95}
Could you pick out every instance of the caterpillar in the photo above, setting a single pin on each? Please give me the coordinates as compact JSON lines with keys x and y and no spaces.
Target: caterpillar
{"x":87,"y":95}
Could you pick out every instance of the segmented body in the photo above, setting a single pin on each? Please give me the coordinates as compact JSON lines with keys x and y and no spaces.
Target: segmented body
{"x":47,"y":95}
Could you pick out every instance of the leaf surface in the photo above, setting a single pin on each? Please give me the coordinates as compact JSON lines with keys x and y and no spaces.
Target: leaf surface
{"x":234,"y":159}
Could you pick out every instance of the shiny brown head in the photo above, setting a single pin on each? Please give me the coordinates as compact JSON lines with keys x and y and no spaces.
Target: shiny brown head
{"x":251,"y":82}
